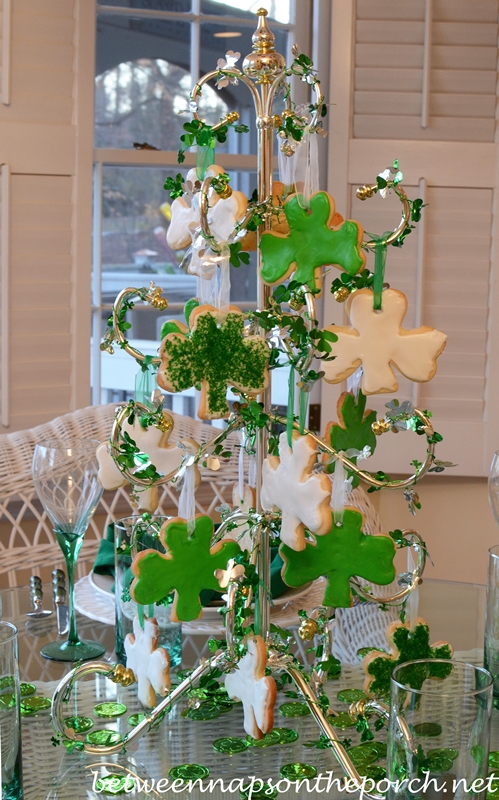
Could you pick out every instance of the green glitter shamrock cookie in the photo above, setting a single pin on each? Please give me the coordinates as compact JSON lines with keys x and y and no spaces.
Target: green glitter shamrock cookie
{"x":311,"y":243}
{"x":215,"y":354}
{"x":187,"y":567}
{"x":405,"y":645}
{"x":339,"y":555}
{"x":353,"y":429}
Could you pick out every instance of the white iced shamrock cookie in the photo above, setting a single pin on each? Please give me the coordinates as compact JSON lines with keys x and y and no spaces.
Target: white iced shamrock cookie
{"x":222,"y":215}
{"x":153,"y":442}
{"x":377,"y":342}
{"x":257,"y":691}
{"x":302,"y":497}
{"x":149,"y":663}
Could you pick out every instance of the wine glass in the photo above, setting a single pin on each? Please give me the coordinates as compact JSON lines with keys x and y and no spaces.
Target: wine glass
{"x":65,"y":478}
{"x":494,"y":486}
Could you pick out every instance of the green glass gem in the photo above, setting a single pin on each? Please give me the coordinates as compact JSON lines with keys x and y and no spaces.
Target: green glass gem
{"x":266,"y":741}
{"x":114,"y":784}
{"x":448,"y":752}
{"x":7,"y":700}
{"x":224,"y":706}
{"x":286,"y":735}
{"x":104,"y":737}
{"x":343,"y":720}
{"x":294,"y":710}
{"x":295,"y":772}
{"x":363,"y":754}
{"x":200,"y":694}
{"x":110,"y":710}
{"x":351,"y":695}
{"x":205,"y":711}
{"x":31,"y":705}
{"x":265,"y":793}
{"x":439,"y":764}
{"x":478,"y":754}
{"x":374,"y":772}
{"x":78,"y":724}
{"x":189,"y":772}
{"x":6,"y":682}
{"x":135,"y":719}
{"x":428,"y":729}
{"x":26,"y":689}
{"x":380,"y":747}
{"x":493,"y":792}
{"x":494,"y":758}
{"x":230,"y":745}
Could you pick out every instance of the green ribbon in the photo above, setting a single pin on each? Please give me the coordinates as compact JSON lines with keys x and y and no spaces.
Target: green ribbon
{"x":380,"y":249}
{"x":205,"y":157}
{"x":290,"y":416}
{"x":145,"y":384}
{"x":303,"y":409}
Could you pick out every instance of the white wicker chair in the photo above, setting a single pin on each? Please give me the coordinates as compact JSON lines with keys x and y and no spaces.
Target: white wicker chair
{"x":27,"y":542}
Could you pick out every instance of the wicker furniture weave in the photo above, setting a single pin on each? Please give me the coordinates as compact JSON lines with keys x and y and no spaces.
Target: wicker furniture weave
{"x":27,"y":543}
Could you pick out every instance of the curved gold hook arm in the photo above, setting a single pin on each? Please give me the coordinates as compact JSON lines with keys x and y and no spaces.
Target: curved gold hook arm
{"x":364,"y":192}
{"x":418,"y":545}
{"x":153,"y":296}
{"x":240,"y":77}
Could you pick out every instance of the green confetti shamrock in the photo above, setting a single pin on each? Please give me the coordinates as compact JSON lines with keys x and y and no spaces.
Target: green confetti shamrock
{"x":187,"y":567}
{"x":339,"y":555}
{"x":311,"y":243}
{"x":353,"y":429}
{"x":213,"y":354}
{"x":406,"y":645}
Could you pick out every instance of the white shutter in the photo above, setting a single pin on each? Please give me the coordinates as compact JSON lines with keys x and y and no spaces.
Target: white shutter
{"x":389,"y":59}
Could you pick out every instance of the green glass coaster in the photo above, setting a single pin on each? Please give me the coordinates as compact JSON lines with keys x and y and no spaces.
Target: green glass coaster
{"x":189,"y":772}
{"x":230,"y":745}
{"x":7,"y":700}
{"x":26,"y":689}
{"x":294,"y":710}
{"x":363,"y":754}
{"x":135,"y":719}
{"x":78,"y":724}
{"x":450,"y":752}
{"x":351,"y":695}
{"x":439,"y":763}
{"x":266,"y":792}
{"x":32,"y":705}
{"x":342,"y":720}
{"x":109,"y":710}
{"x":296,"y":772}
{"x":268,"y":740}
{"x":104,"y":737}
{"x":204,"y":711}
{"x":115,"y":784}
{"x":286,"y":735}
{"x":428,"y":729}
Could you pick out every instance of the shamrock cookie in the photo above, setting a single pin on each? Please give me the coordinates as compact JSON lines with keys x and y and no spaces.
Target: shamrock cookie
{"x":377,"y":341}
{"x":289,"y":485}
{"x":341,"y":554}
{"x":245,"y":503}
{"x":405,"y":645}
{"x":187,"y":567}
{"x":222,"y":215}
{"x":149,"y":663}
{"x":312,"y":243}
{"x":279,"y":221}
{"x":257,"y":691}
{"x":216,"y":354}
{"x":353,"y":429}
{"x":153,"y":442}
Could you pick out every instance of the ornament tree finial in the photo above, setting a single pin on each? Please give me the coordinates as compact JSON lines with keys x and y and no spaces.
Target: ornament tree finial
{"x":263,"y":64}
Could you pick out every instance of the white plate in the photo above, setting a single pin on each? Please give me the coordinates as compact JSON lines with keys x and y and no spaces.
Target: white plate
{"x":104,"y":583}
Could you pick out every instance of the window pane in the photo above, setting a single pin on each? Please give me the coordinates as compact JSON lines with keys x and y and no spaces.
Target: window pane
{"x":155,"y":5}
{"x":278,"y":9}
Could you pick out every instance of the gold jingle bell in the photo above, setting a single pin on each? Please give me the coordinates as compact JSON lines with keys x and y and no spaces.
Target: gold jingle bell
{"x":341,"y":294}
{"x":380,"y":427}
{"x":363,"y":192}
{"x":128,"y":677}
{"x":308,"y":630}
{"x":117,"y":674}
{"x":164,"y":423}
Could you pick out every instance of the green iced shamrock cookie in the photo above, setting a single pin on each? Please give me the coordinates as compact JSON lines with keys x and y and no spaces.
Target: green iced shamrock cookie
{"x":311,"y":243}
{"x":339,"y":555}
{"x":353,"y":429}
{"x":187,"y":567}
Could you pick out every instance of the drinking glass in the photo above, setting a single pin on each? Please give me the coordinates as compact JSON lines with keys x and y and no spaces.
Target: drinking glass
{"x":65,"y":478}
{"x":133,"y":535}
{"x":438,"y":739}
{"x":491,"y":644}
{"x":10,"y":715}
{"x":494,"y":486}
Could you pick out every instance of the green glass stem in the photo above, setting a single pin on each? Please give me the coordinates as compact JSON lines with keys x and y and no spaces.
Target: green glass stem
{"x":70,"y":544}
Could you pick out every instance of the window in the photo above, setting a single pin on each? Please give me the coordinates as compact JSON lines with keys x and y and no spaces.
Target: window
{"x":147,"y":55}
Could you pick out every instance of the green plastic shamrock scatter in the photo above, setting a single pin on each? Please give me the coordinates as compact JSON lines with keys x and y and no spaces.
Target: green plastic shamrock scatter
{"x":187,"y":567}
{"x":353,"y":429}
{"x":213,"y":353}
{"x":406,"y":645}
{"x":339,"y":555}
{"x":311,"y":243}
